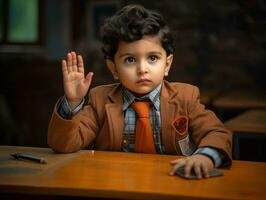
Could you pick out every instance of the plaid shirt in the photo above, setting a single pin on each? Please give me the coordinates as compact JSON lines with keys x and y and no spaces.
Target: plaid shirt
{"x":130,"y":119}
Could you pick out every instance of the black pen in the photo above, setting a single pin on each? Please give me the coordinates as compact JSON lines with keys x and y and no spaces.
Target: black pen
{"x":25,"y":156}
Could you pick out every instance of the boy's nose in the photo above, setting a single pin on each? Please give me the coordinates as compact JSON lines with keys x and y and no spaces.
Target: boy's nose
{"x":142,"y":68}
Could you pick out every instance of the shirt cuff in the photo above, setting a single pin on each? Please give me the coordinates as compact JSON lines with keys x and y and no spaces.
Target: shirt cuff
{"x":215,"y":155}
{"x":64,"y":109}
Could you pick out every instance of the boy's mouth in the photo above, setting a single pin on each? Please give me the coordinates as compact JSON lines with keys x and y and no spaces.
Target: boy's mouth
{"x":143,"y":80}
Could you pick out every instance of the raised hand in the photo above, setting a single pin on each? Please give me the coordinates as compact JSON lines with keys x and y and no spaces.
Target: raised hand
{"x":76,"y":85}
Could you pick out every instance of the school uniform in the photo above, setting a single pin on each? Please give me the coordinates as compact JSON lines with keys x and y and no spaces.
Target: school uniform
{"x":102,"y":124}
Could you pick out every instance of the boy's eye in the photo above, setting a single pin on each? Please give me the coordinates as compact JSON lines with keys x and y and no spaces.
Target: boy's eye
{"x":153,"y":58}
{"x":130,"y":60}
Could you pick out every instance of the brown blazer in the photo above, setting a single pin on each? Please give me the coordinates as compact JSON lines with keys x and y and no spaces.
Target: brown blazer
{"x":100,"y":123}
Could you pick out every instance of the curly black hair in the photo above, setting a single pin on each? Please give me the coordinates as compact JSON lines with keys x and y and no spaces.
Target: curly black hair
{"x":131,"y":23}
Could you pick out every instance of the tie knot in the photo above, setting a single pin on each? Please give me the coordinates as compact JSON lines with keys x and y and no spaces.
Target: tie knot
{"x":142,"y":108}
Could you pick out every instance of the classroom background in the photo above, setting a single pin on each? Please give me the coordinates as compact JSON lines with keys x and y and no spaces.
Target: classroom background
{"x":220,"y":47}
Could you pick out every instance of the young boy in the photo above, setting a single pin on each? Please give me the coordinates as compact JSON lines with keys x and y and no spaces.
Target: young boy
{"x":138,"y":48}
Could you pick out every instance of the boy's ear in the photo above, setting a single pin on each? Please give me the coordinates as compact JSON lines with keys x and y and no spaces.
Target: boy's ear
{"x":111,"y":66}
{"x":169,"y":60}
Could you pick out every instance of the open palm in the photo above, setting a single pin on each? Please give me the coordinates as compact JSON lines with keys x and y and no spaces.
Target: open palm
{"x":76,"y":85}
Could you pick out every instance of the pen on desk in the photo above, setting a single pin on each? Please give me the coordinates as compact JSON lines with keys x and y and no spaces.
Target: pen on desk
{"x":30,"y":157}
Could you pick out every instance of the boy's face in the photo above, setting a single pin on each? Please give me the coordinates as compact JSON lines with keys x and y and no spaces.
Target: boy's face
{"x":140,"y":65}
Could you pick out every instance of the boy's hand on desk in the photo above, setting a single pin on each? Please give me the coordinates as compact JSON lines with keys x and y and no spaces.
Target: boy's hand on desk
{"x":76,"y":85}
{"x":198,"y":162}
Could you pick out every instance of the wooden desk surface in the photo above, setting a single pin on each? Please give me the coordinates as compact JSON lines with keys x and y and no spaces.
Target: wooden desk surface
{"x":241,"y":100}
{"x":123,"y":175}
{"x":251,"y":121}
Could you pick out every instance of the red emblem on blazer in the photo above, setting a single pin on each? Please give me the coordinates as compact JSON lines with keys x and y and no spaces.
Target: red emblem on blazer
{"x":180,"y":124}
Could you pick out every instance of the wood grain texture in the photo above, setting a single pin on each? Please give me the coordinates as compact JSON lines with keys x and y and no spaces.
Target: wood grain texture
{"x":120,"y":175}
{"x":240,"y":99}
{"x":251,"y":121}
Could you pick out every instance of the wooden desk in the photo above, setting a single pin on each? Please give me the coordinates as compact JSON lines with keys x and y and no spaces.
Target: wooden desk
{"x":119,"y":175}
{"x":230,"y":104}
{"x":250,"y":124}
{"x":241,"y":100}
{"x":251,"y":121}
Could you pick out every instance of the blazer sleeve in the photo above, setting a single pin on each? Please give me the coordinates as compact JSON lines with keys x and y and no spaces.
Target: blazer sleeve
{"x":70,"y":135}
{"x":207,"y":130}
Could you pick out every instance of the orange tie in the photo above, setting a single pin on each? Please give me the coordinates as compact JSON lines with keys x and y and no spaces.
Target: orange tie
{"x":144,"y":136}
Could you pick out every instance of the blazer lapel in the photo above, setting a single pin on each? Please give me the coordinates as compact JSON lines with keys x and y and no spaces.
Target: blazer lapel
{"x":115,"y":117}
{"x":116,"y":124}
{"x":169,"y":109}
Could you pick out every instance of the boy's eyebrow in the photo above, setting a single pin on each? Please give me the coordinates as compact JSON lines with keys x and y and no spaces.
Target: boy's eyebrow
{"x":125,"y":54}
{"x":155,"y":52}
{"x":132,"y":54}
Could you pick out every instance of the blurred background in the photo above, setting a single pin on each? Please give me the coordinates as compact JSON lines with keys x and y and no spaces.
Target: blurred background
{"x":220,"y":47}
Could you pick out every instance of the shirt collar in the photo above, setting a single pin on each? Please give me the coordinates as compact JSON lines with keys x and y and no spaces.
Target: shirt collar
{"x":153,"y":96}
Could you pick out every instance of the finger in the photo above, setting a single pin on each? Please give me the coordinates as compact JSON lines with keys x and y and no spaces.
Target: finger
{"x":69,"y":62}
{"x":181,"y":159}
{"x":205,"y":171}
{"x":173,"y":162}
{"x":64,"y":68}
{"x":187,"y":168}
{"x":176,"y":167}
{"x":74,"y":61}
{"x":80,"y":64}
{"x":197,"y":169}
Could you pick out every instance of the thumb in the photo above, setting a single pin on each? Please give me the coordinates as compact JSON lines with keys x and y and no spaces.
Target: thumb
{"x":173,"y":162}
{"x":88,"y":78}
